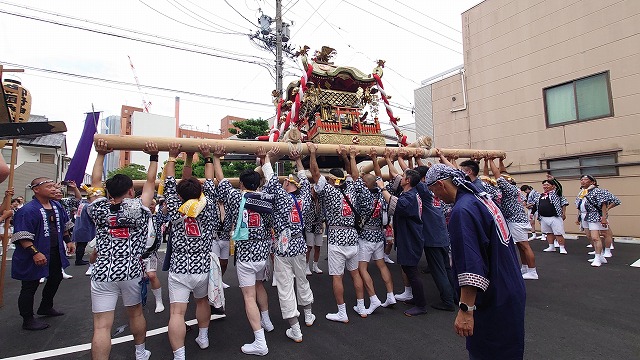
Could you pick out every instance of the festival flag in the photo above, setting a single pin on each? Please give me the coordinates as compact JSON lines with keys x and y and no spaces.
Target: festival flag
{"x":78,"y":164}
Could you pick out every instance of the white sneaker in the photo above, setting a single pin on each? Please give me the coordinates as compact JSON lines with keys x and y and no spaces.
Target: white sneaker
{"x":589,"y":246}
{"x":388,"y":260}
{"x":339,"y":317}
{"x":603,"y":259}
{"x":309,"y":319}
{"x":316,"y":269}
{"x":65,"y":275}
{"x":89,"y":270}
{"x":607,"y":253}
{"x":361,"y":310}
{"x":403,"y":297}
{"x":268,"y":327}
{"x":591,"y":253}
{"x":550,"y":249}
{"x":563,"y":251}
{"x":255,"y":349}
{"x":556,"y":244}
{"x":530,"y":275}
{"x":294,"y":334}
{"x":309,"y":271}
{"x":202,"y":342}
{"x":596,"y":261}
{"x":144,"y":356}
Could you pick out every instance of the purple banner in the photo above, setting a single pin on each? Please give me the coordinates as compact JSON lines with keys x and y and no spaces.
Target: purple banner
{"x":78,"y":164}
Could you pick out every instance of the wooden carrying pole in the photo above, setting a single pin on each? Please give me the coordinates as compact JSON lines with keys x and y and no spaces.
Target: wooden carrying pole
{"x":235,"y":182}
{"x":132,"y":142}
{"x":14,"y":156}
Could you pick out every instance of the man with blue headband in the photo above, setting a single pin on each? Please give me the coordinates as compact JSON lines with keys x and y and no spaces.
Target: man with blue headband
{"x":490,"y":286}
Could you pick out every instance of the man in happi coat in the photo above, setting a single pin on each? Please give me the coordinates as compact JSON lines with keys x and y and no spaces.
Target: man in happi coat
{"x":491,"y":288}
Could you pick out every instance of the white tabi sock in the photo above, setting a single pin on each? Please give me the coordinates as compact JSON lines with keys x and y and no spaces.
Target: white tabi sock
{"x":179,"y":354}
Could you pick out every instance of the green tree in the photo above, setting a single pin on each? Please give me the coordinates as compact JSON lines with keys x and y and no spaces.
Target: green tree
{"x":250,"y":128}
{"x":230,"y":169}
{"x":234,"y":168}
{"x":134,"y":171}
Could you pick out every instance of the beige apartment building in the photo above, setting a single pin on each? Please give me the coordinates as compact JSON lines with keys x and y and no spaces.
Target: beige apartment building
{"x":556,"y":84}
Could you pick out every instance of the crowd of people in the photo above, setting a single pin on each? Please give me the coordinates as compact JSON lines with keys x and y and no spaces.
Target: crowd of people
{"x":473,"y":230}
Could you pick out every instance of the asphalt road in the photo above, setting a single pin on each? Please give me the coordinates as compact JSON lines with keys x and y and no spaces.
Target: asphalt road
{"x":573,"y":311}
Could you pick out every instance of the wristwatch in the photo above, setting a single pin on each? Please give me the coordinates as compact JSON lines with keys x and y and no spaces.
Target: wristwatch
{"x":466,"y":308}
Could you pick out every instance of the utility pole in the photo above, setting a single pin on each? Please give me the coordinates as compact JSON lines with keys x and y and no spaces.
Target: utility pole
{"x":279,"y":75}
{"x":266,"y":38}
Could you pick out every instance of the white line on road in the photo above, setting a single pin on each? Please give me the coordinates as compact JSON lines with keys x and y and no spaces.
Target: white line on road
{"x":84,"y":347}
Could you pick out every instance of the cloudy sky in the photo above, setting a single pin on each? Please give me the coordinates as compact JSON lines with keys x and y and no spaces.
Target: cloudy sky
{"x":75,"y":52}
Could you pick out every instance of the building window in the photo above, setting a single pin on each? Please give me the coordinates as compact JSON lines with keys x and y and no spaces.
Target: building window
{"x":579,"y":100}
{"x":47,"y":158}
{"x":596,"y":165}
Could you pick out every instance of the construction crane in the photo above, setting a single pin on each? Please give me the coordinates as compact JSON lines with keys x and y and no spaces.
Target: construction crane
{"x":145,"y":105}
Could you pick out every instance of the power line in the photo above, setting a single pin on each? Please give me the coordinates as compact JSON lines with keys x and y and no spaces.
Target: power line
{"x":309,"y":18}
{"x":183,"y":23}
{"x":116,"y":82}
{"x":191,"y":16}
{"x":213,"y":14}
{"x":393,"y":12}
{"x":400,"y":27}
{"x":429,"y":17}
{"x":234,"y":9}
{"x":128,"y":30}
{"x":133,"y":38}
{"x":294,"y":4}
{"x":102,"y":86}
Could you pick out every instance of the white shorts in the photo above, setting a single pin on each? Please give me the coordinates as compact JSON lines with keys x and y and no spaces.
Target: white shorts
{"x":584,"y":225}
{"x":181,"y":286}
{"x":251,"y":272}
{"x":313,"y":239}
{"x":341,"y":257}
{"x":595,"y":226}
{"x":151,"y":263}
{"x":552,"y":225}
{"x":104,"y":294}
{"x":368,"y":250}
{"x":519,"y":231}
{"x":220,"y":248}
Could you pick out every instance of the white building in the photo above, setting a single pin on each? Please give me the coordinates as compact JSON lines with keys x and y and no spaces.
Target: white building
{"x":111,"y":125}
{"x":151,"y":125}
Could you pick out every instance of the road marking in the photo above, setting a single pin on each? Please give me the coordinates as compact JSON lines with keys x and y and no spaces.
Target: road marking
{"x":84,"y":347}
{"x":636,"y":264}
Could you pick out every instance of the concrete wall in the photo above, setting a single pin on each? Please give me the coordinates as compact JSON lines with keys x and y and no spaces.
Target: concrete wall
{"x":515,"y":49}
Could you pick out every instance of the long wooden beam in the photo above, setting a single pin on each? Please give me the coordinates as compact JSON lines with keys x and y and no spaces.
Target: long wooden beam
{"x":132,"y":142}
{"x":235,"y":182}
